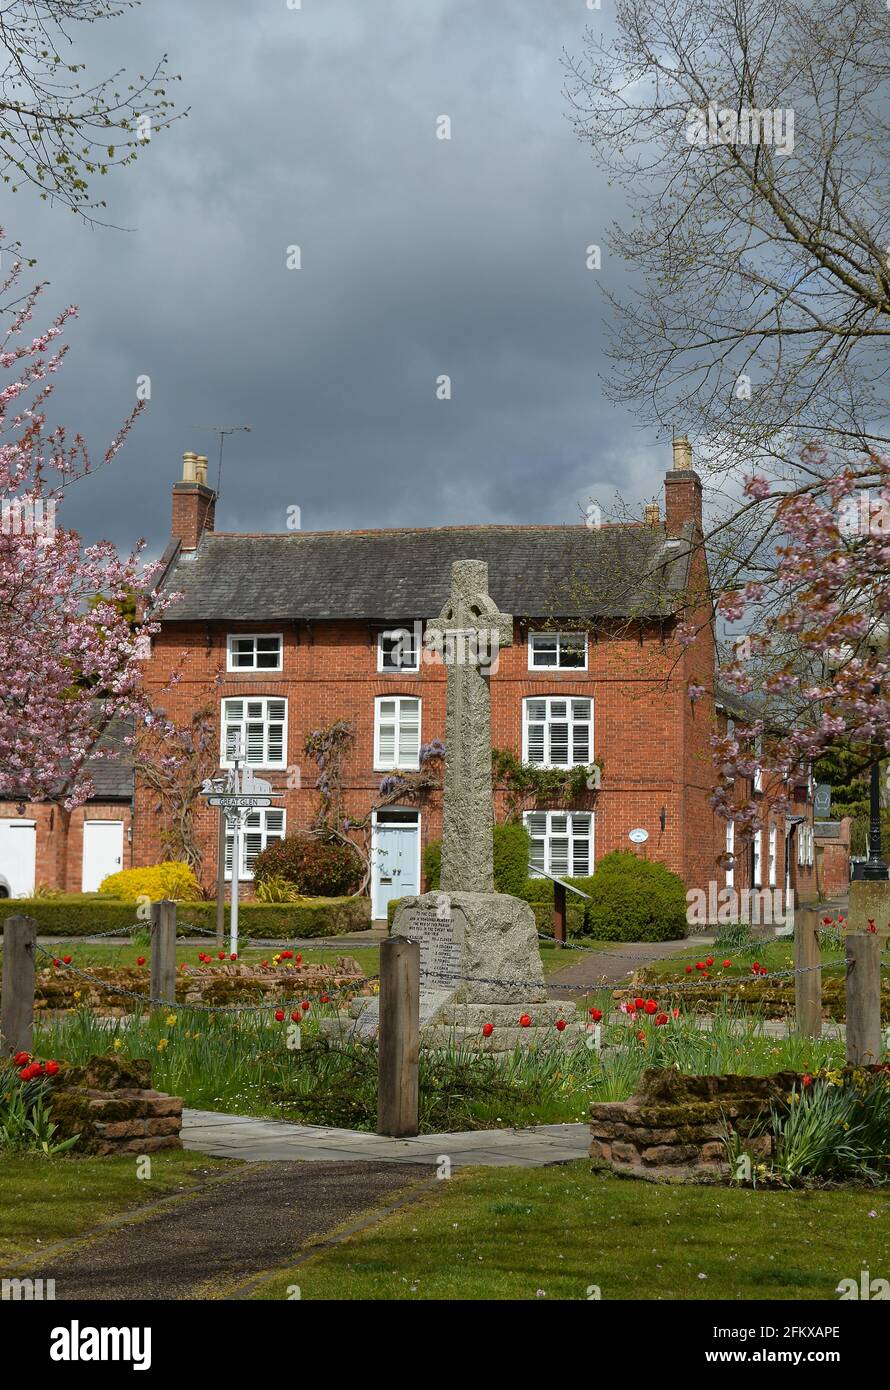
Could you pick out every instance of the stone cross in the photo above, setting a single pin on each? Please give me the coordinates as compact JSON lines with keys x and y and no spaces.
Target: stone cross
{"x":471,"y":632}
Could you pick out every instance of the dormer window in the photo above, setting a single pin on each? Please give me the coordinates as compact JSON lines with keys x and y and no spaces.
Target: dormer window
{"x":250,"y":651}
{"x":557,"y":651}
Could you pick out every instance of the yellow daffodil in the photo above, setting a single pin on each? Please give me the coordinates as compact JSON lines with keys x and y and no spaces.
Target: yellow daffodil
{"x":170,"y":1020}
{"x":77,"y":994}
{"x":163,"y":1043}
{"x":117,"y":1044}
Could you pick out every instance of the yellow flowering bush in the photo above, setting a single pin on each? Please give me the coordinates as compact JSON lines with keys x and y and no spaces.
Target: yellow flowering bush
{"x":157,"y":881}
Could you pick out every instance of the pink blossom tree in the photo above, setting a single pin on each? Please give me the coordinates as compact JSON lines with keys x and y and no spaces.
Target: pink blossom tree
{"x":70,"y":641}
{"x":816,"y":655}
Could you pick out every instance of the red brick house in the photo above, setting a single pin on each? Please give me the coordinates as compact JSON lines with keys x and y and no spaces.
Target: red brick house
{"x":286,"y":633}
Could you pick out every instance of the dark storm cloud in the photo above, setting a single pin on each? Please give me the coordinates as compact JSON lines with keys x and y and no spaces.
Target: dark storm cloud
{"x":421,"y":257}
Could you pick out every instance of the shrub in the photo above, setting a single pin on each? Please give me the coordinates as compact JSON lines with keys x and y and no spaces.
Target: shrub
{"x":171,"y":880}
{"x":80,"y":915}
{"x":318,"y":868}
{"x":635,"y":899}
{"x":510,"y":849}
{"x":277,"y":889}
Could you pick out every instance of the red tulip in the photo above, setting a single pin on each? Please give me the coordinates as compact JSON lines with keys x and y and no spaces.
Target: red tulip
{"x":66,"y":960}
{"x":220,"y":955}
{"x":560,"y":1024}
{"x":326,"y":999}
{"x":807,"y":1080}
{"x":651,"y":1006}
{"x":305,"y":1006}
{"x":265,"y":964}
{"x":661,"y":1019}
{"x":299,"y":958}
{"x":57,"y":963}
{"x":709,"y":960}
{"x":140,"y":960}
{"x":52,"y":1068}
{"x":727,"y":964}
{"x":22,"y":1059}
{"x":699,"y":965}
{"x":639,"y":1003}
{"x":689,"y":970}
{"x":286,"y":955}
{"x":641,"y":1035}
{"x":296,"y":1016}
{"x":756,"y":966}
{"x":596,"y":1015}
{"x":279,"y":1015}
{"x":487,"y":1030}
{"x":676,"y":1013}
{"x":25,"y":1073}
{"x":525,"y":1021}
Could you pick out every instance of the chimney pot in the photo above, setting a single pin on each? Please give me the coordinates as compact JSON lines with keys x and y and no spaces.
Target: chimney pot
{"x":653,"y":515}
{"x":201,"y":469}
{"x":682,"y":453}
{"x":188,"y":468}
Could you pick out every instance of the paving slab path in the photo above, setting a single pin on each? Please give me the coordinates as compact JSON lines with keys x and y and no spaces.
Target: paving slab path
{"x":239,"y":1136}
{"x":209,"y":1243}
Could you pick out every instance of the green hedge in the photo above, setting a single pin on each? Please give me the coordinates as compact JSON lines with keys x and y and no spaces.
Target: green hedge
{"x":77,"y":915}
{"x":635,"y":899}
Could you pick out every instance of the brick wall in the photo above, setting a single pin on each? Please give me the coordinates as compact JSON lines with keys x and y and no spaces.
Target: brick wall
{"x":653,"y":743}
{"x":59,"y":838}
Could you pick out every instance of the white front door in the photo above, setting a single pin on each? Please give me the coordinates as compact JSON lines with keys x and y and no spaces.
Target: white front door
{"x":395,"y":857}
{"x":18,"y":857}
{"x":103,"y":851}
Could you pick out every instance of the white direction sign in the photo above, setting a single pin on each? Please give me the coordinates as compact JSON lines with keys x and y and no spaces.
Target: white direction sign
{"x":235,"y":803}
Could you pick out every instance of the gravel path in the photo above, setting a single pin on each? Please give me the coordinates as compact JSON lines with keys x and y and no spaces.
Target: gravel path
{"x":594,"y":969}
{"x":219,"y":1238}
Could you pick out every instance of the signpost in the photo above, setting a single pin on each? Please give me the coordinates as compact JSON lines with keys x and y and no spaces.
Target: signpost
{"x":241,"y":794}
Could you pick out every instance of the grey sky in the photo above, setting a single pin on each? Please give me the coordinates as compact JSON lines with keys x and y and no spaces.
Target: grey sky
{"x":420,"y":257}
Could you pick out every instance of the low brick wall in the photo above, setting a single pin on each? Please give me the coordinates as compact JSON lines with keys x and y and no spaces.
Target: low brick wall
{"x":111,"y":1105}
{"x":670,"y":1130}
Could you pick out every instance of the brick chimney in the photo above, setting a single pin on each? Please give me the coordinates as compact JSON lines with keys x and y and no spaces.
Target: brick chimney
{"x":193,"y":502}
{"x":682,"y":490}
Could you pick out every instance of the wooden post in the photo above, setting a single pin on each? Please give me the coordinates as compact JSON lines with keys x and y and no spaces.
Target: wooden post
{"x":863,"y":999}
{"x":17,"y":1005}
{"x":398,"y":1038}
{"x":163,"y":951}
{"x":559,"y":914}
{"x":808,"y":986}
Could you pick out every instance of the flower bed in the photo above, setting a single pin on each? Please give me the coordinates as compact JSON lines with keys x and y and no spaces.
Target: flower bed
{"x":210,"y":981}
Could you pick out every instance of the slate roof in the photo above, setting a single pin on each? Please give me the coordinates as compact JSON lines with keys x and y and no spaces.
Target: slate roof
{"x":112,"y":778}
{"x":533,"y":572}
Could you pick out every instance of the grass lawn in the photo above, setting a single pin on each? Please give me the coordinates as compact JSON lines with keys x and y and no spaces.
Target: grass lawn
{"x":44,"y":1200}
{"x":555,"y":1232}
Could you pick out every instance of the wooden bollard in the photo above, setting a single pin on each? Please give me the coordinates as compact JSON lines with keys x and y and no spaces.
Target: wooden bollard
{"x":163,"y":951}
{"x":863,"y":999}
{"x":398,"y":1038}
{"x":808,"y":983}
{"x":17,"y":1004}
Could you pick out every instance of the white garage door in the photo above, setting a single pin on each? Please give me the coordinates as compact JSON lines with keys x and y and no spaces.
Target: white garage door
{"x":103,"y":851}
{"x":18,"y":857}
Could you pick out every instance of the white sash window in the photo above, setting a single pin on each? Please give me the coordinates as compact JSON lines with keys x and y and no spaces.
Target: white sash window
{"x":259,"y":727}
{"x":396,"y":732}
{"x":562,"y":842}
{"x":557,"y":732}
